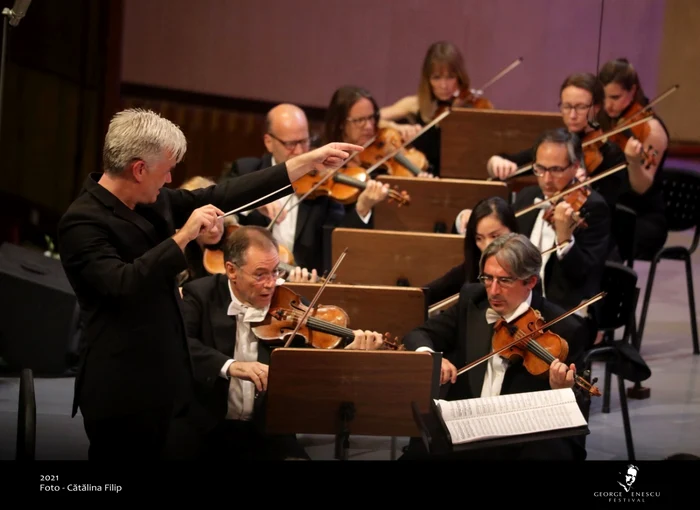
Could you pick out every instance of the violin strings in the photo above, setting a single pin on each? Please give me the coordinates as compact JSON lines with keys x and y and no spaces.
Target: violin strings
{"x":548,"y":357}
{"x":326,"y":327}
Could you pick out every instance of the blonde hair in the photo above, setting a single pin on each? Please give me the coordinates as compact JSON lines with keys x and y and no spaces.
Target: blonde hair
{"x":140,"y":134}
{"x":439,"y":53}
{"x":197,"y":182}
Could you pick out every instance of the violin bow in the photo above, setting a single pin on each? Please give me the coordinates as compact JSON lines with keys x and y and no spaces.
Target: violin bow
{"x":243,"y":207}
{"x":618,"y":129}
{"x":658,"y":98}
{"x":527,"y":337}
{"x":315,"y":186}
{"x":500,"y":75}
{"x":315,"y":299}
{"x":581,"y":184}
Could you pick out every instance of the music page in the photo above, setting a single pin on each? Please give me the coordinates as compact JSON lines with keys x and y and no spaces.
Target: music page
{"x":510,"y":415}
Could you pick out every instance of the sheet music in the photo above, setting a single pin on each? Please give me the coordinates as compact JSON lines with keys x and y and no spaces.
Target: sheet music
{"x":509,"y":415}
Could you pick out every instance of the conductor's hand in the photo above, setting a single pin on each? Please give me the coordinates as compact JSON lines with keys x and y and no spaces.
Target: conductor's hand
{"x":250,"y":371}
{"x":500,"y":168}
{"x":561,"y":376}
{"x":448,"y":372}
{"x":200,"y":221}
{"x":366,"y":341}
{"x":328,"y":157}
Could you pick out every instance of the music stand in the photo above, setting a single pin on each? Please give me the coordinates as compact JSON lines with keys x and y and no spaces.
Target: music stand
{"x":343,"y":392}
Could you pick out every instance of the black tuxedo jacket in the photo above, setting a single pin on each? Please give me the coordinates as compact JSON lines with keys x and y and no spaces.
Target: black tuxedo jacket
{"x":577,"y":276}
{"x":211,"y":334}
{"x":315,"y":221}
{"x":122,"y":265}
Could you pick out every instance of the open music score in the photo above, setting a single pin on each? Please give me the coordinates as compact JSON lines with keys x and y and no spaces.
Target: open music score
{"x":519,"y":414}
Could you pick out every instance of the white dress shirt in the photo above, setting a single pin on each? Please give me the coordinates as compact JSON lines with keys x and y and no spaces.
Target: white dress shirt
{"x":241,"y":395}
{"x":285,"y":231}
{"x":544,"y":237}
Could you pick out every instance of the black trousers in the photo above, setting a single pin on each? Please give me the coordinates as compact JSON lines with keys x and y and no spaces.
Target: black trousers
{"x":242,"y":440}
{"x":156,"y":434}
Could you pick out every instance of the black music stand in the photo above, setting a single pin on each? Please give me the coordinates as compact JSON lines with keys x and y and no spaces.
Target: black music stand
{"x":343,"y":392}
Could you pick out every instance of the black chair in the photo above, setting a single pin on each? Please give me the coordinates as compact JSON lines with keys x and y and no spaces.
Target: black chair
{"x":623,"y":226}
{"x":617,"y":310}
{"x":681,"y":188}
{"x":26,"y":417}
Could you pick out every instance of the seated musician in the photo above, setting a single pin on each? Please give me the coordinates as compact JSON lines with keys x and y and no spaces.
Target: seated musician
{"x":301,"y":230}
{"x":230,"y":364}
{"x":572,"y":273}
{"x":443,"y":76}
{"x":510,"y":268}
{"x":623,"y":93}
{"x":491,"y":218}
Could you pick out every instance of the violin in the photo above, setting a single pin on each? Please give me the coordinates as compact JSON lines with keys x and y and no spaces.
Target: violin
{"x":409,"y":162}
{"x":537,"y":348}
{"x":325,"y":327}
{"x":576,"y":199}
{"x":213,"y":260}
{"x":522,"y":336}
{"x":465,"y":98}
{"x":594,"y":141}
{"x":345,"y":186}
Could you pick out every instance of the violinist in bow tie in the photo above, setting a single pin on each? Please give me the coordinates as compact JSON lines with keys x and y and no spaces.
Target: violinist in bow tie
{"x":509,"y":271}
{"x":230,"y":363}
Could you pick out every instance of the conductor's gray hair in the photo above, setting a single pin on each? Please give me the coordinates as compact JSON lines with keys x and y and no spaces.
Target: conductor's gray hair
{"x":140,"y":134}
{"x":516,"y":254}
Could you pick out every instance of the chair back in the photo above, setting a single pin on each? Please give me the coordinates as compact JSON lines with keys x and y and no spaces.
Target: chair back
{"x":620,"y":284}
{"x":26,"y":417}
{"x":624,"y":224}
{"x":681,"y":189}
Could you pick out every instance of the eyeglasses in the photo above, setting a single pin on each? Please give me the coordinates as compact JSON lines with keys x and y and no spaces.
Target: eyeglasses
{"x":503,"y":281}
{"x":540,"y":170}
{"x":292,"y":144}
{"x":263,"y":277}
{"x":580,"y":108}
{"x":359,"y":121}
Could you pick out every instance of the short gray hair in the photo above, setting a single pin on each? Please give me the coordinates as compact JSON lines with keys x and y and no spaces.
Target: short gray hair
{"x":516,"y":254}
{"x":140,"y":134}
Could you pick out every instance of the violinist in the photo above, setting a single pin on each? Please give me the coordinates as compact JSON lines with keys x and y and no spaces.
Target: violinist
{"x":229,"y":361}
{"x":302,"y":229}
{"x":444,"y":82}
{"x":509,"y":270}
{"x":580,"y":101}
{"x":573,"y":272}
{"x":624,"y":97}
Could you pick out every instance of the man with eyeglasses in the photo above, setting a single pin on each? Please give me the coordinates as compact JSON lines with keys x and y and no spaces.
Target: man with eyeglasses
{"x":509,"y":272}
{"x":229,"y":361}
{"x":572,"y":273}
{"x":301,"y":227}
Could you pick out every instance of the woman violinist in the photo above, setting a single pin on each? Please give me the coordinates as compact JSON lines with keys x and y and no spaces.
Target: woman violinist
{"x":444,"y":83}
{"x":645,"y":148}
{"x":353,"y":114}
